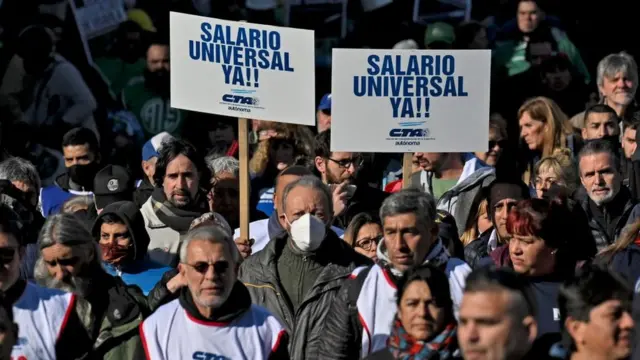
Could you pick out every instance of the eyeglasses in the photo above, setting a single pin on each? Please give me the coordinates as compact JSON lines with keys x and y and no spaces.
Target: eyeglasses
{"x":366,"y":244}
{"x":346,"y":163}
{"x":541,"y":183}
{"x":500,"y":143}
{"x":7,"y":255}
{"x":219,"y":267}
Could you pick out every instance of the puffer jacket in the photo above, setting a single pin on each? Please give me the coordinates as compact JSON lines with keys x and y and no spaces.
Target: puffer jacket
{"x":630,"y":213}
{"x":259,"y":274}
{"x":478,"y":249}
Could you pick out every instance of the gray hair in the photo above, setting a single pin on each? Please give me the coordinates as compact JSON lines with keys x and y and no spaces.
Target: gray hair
{"x":68,"y":230}
{"x":223,"y":164}
{"x":310,"y":182}
{"x":599,"y":147}
{"x":19,"y":169}
{"x":613,"y":64}
{"x":410,"y":201}
{"x":211,"y":233}
{"x":77,"y":203}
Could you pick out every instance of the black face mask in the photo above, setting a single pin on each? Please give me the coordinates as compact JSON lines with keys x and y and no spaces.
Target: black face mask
{"x":158,"y":80}
{"x":83,"y":175}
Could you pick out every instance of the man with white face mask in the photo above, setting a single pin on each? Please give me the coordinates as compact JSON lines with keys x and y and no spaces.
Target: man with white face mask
{"x":297,"y":275}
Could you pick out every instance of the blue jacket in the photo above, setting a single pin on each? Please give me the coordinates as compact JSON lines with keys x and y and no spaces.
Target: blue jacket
{"x":143,"y":273}
{"x":53,"y":196}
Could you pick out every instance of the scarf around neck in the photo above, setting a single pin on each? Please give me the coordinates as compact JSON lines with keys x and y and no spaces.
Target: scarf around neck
{"x":438,"y":257}
{"x":177,"y":219}
{"x":404,"y":347}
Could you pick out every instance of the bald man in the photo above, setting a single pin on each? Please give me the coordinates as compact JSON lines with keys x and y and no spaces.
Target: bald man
{"x":261,"y":231}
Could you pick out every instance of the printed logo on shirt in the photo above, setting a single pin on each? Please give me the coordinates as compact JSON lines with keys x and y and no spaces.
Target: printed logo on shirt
{"x":556,"y":314}
{"x":201,"y":355}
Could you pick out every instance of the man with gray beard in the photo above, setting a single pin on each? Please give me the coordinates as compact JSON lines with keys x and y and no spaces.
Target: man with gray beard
{"x":106,"y":307}
{"x":606,"y":201}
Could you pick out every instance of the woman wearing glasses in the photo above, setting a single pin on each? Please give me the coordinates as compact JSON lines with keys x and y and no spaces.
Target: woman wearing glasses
{"x":363,"y":234}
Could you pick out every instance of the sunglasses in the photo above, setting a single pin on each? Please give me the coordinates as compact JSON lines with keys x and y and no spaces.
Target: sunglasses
{"x":219,"y":267}
{"x":501,"y":143}
{"x":7,"y":255}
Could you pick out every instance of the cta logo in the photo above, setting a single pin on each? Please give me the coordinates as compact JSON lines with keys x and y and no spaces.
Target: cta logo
{"x":409,"y":133}
{"x":201,"y":355}
{"x":240,"y":99}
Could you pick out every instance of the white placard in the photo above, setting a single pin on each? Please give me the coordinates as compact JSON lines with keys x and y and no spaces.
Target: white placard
{"x":242,"y":70}
{"x":99,"y":17}
{"x":410,"y":100}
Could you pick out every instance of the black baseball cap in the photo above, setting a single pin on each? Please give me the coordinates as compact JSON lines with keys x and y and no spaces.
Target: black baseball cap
{"x":113,"y":183}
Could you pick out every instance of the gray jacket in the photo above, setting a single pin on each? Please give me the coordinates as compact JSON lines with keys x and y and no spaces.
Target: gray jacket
{"x":459,"y":200}
{"x":259,"y":274}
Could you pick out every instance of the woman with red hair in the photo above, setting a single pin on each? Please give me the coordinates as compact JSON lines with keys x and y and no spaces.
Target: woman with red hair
{"x":539,"y":249}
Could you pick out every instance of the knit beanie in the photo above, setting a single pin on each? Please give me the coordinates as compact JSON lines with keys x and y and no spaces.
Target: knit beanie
{"x":500,"y":190}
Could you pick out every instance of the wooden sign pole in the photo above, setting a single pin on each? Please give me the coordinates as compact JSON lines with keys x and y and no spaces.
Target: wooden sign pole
{"x":406,"y":170}
{"x":243,"y":144}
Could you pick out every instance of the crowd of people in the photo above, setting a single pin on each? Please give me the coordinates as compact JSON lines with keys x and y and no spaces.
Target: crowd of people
{"x":120,"y":215}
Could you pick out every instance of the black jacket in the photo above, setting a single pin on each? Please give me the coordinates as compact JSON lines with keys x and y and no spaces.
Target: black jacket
{"x":625,"y":211}
{"x":259,"y":274}
{"x":477,"y":249}
{"x":143,"y":192}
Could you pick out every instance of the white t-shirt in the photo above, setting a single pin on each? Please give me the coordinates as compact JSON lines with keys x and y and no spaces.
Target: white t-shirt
{"x":41,"y":315}
{"x":172,"y":333}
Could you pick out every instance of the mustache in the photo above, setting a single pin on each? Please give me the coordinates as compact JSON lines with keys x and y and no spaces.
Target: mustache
{"x":78,"y":285}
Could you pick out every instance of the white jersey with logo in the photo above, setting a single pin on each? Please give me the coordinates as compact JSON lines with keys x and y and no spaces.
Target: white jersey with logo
{"x":41,"y":315}
{"x":172,"y":333}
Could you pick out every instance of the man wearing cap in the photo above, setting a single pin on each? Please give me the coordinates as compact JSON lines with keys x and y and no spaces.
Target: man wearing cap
{"x":324,"y":113}
{"x":439,"y":36}
{"x":112,"y":184}
{"x":502,"y":195}
{"x":150,"y":153}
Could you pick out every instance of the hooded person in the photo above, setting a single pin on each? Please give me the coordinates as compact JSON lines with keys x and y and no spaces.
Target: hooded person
{"x":502,"y":194}
{"x":123,"y":240}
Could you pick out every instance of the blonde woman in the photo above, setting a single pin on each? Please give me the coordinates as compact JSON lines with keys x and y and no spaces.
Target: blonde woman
{"x":558,"y":168}
{"x":477,"y":224}
{"x":543,"y":129}
{"x":623,"y":256}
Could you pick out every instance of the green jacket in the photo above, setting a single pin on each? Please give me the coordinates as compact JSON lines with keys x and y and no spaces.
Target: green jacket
{"x":117,"y":72}
{"x":118,"y":336}
{"x":153,"y":111}
{"x":513,"y":55}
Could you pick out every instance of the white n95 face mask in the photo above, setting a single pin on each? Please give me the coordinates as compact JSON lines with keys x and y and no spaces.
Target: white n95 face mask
{"x":308,"y":232}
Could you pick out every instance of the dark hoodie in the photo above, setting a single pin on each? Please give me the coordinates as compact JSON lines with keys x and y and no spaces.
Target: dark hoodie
{"x":139,"y":269}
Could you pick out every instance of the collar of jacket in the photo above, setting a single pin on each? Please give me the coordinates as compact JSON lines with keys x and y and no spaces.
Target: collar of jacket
{"x":123,"y":314}
{"x":624,"y":194}
{"x":238,"y":303}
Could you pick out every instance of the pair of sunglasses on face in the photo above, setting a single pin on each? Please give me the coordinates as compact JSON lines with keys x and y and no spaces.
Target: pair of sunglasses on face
{"x":219,"y":267}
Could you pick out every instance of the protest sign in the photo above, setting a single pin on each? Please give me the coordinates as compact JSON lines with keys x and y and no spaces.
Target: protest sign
{"x":406,"y":101}
{"x":242,"y":70}
{"x":97,"y":17}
